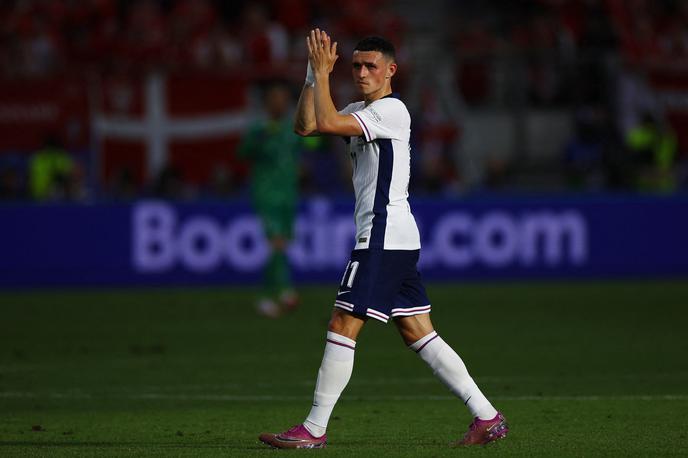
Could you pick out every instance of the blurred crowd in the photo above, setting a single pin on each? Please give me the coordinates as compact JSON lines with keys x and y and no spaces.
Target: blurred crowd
{"x":595,"y":59}
{"x":564,"y":40}
{"x":586,"y":57}
{"x":40,"y":37}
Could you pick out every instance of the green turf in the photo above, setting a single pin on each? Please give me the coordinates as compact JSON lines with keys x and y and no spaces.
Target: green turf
{"x":579,"y":369}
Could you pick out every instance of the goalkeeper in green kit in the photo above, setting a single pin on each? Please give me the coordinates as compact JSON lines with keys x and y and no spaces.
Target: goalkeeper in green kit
{"x":272,"y":148}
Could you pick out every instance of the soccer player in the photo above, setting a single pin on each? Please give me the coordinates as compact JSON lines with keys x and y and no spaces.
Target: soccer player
{"x":273,"y":150}
{"x":381,"y":280}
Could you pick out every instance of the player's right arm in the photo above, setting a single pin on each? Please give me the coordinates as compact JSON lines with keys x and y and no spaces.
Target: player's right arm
{"x":304,"y":119}
{"x":322,"y":55}
{"x":315,"y":110}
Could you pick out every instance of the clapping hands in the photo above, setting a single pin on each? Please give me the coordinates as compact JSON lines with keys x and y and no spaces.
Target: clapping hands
{"x":322,"y":53}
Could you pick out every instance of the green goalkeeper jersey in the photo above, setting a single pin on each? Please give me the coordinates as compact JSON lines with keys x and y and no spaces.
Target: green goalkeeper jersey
{"x":273,"y":149}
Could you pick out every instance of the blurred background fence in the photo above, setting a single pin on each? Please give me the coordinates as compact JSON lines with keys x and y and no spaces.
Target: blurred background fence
{"x":105,"y":102}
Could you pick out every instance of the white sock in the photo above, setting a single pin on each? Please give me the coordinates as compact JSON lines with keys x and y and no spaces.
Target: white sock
{"x":449,"y":368}
{"x":335,"y":372}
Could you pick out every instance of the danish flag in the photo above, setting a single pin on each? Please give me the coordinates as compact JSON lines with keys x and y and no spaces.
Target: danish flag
{"x":191,"y":123}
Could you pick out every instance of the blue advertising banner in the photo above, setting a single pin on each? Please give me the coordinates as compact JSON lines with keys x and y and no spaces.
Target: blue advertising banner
{"x":163,"y":243}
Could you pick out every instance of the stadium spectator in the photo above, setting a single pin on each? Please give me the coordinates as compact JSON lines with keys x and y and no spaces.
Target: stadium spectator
{"x":475,"y":45}
{"x":227,"y":47}
{"x":653,"y":149}
{"x":434,"y":168}
{"x":196,"y":36}
{"x":54,"y":175}
{"x":264,"y":41}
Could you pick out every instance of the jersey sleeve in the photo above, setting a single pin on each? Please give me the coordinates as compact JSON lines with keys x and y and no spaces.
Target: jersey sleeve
{"x":384,"y":118}
{"x":350,"y":108}
{"x":347,"y":110}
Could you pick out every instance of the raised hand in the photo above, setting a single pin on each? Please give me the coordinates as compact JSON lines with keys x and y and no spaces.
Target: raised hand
{"x":322,"y":53}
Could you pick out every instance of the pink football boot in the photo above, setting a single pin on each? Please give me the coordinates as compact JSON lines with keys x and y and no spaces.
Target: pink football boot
{"x":482,"y":432}
{"x":296,"y":437}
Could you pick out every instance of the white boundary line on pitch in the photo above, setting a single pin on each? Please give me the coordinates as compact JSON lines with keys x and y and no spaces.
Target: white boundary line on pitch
{"x":273,"y":398}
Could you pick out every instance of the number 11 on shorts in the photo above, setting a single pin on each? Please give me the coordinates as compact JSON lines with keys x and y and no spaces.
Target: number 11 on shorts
{"x":349,"y":274}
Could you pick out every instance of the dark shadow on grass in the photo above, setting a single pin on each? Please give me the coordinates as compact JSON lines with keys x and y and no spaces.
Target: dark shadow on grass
{"x":111,"y":444}
{"x":164,"y":445}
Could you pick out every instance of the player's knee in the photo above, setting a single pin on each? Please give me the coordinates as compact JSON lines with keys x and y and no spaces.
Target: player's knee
{"x":337,"y":324}
{"x":345,"y":324}
{"x":414,"y":328}
{"x":333,"y":324}
{"x":410,"y":337}
{"x":278,"y":243}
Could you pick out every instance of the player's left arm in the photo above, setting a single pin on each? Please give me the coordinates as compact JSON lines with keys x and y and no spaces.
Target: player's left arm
{"x":322,"y":54}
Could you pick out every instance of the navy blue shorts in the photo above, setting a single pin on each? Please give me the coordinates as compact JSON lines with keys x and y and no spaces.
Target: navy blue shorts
{"x":381,"y":284}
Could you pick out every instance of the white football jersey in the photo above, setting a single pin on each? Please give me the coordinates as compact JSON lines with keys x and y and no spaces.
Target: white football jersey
{"x":381,"y":161}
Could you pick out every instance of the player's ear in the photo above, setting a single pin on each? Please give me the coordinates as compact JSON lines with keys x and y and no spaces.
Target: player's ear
{"x":391,"y":70}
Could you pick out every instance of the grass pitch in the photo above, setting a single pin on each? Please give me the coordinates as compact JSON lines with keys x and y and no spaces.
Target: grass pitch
{"x":579,"y":369}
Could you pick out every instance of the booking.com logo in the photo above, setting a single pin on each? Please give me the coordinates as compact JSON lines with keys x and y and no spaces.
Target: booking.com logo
{"x":162,"y":241}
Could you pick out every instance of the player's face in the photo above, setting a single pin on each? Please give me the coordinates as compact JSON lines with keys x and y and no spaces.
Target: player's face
{"x":277,"y":101}
{"x":371,"y":70}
